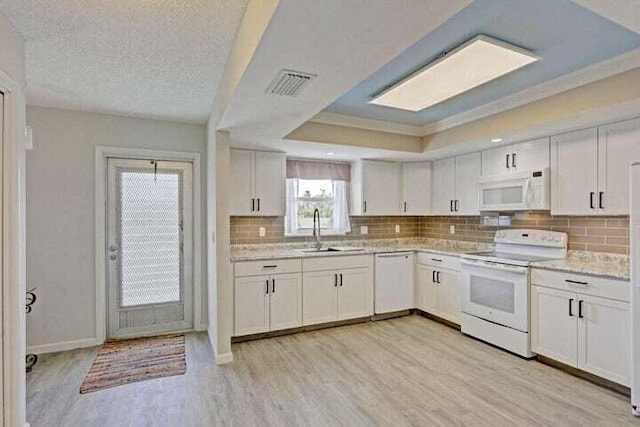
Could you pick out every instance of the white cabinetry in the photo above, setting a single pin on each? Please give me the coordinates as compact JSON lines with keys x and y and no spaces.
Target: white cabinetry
{"x":267,"y":296}
{"x":416,"y":186}
{"x":257,"y":183}
{"x":438,"y":286}
{"x":524,"y":156}
{"x":590,"y":169}
{"x":582,"y":321}
{"x":376,"y":188}
{"x":454,"y":185}
{"x":337,"y":288}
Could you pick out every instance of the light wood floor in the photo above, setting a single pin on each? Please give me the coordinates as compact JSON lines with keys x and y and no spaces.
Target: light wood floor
{"x":400,"y":372}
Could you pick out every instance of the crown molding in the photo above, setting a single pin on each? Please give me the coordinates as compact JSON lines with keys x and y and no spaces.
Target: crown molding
{"x":329,"y":118}
{"x":589,"y":74}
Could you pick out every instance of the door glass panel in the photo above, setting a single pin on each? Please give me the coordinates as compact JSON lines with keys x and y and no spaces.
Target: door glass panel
{"x":493,"y":293}
{"x":503,"y":195}
{"x":150,"y":237}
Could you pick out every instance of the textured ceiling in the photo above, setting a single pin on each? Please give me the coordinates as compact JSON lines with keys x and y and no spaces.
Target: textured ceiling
{"x":148,"y":58}
{"x":567,"y":36}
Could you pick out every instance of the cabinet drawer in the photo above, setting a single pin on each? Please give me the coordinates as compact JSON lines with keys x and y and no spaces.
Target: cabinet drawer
{"x":582,"y":284}
{"x":269,"y":266}
{"x":337,"y":262}
{"x":437,"y":260}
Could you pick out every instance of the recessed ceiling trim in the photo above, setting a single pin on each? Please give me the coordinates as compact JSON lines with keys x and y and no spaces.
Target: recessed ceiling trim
{"x":449,"y":75}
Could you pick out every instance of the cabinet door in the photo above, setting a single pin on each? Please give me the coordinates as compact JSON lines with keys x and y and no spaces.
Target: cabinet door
{"x":427,"y":289}
{"x":554,"y":328}
{"x":530,"y":155}
{"x":416,"y":185}
{"x":270,"y":170}
{"x":495,"y":161}
{"x":319,"y":297}
{"x":619,"y":147}
{"x":443,"y":186}
{"x":242,"y":182}
{"x":449,"y":295}
{"x":251,"y":301}
{"x":604,"y":348}
{"x":381,"y":188}
{"x":467,"y":174}
{"x":355,"y":293}
{"x":285,"y":301}
{"x":574,"y":173}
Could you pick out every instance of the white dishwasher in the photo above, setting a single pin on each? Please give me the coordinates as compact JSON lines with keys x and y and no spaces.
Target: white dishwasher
{"x":394,"y":282}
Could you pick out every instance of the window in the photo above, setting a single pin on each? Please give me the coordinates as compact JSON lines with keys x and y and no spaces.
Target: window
{"x":314,"y":186}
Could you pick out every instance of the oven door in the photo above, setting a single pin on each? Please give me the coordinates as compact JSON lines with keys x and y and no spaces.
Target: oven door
{"x":496,"y":292}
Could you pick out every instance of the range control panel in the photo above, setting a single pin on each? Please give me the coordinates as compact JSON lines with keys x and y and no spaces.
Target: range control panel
{"x":532,"y":238}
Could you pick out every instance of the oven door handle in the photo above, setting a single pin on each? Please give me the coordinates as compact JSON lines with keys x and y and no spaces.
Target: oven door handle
{"x":494,"y":266}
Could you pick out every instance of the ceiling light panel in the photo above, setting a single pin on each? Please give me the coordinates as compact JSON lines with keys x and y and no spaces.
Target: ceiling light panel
{"x":476,"y":62}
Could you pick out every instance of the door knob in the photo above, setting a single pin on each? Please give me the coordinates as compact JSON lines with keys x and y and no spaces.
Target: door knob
{"x":113,"y":257}
{"x":113,"y":248}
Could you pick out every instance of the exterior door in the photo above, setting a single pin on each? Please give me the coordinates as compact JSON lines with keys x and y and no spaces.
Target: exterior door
{"x":149,"y":247}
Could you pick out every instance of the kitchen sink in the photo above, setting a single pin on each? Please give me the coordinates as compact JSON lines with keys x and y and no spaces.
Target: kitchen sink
{"x":333,"y":249}
{"x":313,"y":250}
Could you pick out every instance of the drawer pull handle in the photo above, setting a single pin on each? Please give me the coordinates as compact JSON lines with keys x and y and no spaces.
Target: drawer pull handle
{"x":436,"y":260}
{"x":575,"y":282}
{"x":270,"y":266}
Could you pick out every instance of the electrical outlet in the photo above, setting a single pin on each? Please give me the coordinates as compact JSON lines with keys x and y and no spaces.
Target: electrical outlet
{"x":452,"y":229}
{"x":364,"y":229}
{"x":262,"y":231}
{"x":397,"y":228}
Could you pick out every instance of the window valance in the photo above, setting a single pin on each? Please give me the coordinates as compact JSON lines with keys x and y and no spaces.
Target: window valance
{"x":308,"y":169}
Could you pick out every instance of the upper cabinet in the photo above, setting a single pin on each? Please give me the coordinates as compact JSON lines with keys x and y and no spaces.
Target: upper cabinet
{"x":416,"y":185}
{"x":525,"y":156}
{"x":376,"y":188}
{"x":454,"y":185}
{"x":257,"y":183}
{"x":590,"y":169}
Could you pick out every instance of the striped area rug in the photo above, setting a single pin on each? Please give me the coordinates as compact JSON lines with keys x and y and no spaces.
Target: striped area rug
{"x":128,"y":361}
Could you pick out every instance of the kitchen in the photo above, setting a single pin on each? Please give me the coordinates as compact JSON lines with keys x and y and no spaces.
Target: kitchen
{"x":288,"y":212}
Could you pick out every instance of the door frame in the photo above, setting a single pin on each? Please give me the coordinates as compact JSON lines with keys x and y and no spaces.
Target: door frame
{"x":13,"y":254}
{"x":102,"y":153}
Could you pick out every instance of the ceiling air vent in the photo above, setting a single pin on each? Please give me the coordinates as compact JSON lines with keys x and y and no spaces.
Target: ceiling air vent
{"x":290,"y":83}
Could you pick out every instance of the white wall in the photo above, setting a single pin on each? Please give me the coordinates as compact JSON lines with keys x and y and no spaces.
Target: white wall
{"x":12,"y":82}
{"x":60,"y":210}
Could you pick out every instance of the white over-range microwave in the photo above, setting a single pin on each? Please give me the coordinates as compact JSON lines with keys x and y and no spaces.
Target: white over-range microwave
{"x":516,"y":191}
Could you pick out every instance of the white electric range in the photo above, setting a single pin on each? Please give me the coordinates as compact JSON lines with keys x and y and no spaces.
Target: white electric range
{"x":496,"y":286}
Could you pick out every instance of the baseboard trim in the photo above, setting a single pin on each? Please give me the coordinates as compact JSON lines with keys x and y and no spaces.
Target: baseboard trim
{"x":222,"y":359}
{"x":602,"y":382}
{"x":437,"y":319}
{"x":63,"y":346}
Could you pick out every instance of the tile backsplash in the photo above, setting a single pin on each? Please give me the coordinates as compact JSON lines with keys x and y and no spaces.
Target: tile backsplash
{"x":590,"y":233}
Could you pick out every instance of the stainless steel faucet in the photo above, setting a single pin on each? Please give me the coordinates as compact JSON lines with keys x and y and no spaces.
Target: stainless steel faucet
{"x":316,"y":234}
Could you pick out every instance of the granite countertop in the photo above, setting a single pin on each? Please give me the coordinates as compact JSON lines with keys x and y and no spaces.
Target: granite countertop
{"x":292,"y":250}
{"x":612,"y":266}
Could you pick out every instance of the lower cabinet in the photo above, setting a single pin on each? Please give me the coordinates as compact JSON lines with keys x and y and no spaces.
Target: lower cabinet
{"x":584,"y":331}
{"x":438,"y":292}
{"x":267,"y":303}
{"x":334,"y":295}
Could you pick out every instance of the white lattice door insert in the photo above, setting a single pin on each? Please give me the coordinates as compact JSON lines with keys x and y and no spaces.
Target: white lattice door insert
{"x":149,"y":247}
